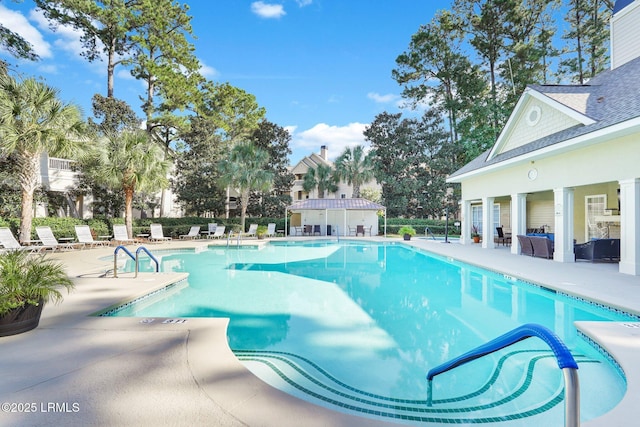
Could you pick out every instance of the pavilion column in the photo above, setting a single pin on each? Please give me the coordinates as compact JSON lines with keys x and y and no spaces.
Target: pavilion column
{"x":630,"y":227}
{"x":563,"y":225}
{"x":518,"y":220}
{"x":465,"y":233}
{"x":488,"y":232}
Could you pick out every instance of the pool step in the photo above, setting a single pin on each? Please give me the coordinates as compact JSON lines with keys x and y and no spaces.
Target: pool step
{"x":510,"y":393}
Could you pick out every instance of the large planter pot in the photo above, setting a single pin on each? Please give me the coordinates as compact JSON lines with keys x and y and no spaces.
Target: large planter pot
{"x":476,"y":239}
{"x":20,"y":320}
{"x":407,"y":237}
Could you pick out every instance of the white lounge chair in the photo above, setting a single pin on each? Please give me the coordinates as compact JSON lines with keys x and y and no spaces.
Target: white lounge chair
{"x":211,"y":228}
{"x":49,"y":240}
{"x":83,"y":233}
{"x":156,"y":234}
{"x":252,"y":231}
{"x":271,"y":229}
{"x":120,"y":234}
{"x":218,"y":233}
{"x":9,"y":242}
{"x":194,"y":233}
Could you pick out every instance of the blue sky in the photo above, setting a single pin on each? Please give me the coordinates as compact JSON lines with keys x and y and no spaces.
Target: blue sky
{"x":321,"y":68}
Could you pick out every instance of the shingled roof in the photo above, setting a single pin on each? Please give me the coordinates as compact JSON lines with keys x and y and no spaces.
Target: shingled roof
{"x":326,"y":204}
{"x":610,"y":98}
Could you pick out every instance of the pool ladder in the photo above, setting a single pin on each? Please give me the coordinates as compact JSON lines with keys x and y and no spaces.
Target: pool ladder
{"x":565,"y":360}
{"x":136,"y":258}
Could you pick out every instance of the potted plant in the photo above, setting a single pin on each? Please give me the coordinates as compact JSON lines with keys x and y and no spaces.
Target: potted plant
{"x":27,"y":282}
{"x":474,"y":234}
{"x":261,"y":231}
{"x":406,"y":231}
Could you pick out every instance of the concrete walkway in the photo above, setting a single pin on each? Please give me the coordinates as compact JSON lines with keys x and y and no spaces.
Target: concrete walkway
{"x":77,"y":369}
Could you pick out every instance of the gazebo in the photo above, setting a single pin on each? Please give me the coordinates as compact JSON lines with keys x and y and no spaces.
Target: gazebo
{"x":338,"y":217}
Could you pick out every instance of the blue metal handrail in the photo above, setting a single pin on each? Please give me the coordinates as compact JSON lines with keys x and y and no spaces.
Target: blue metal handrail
{"x":142,"y":248}
{"x":565,"y":360}
{"x":134,"y":258}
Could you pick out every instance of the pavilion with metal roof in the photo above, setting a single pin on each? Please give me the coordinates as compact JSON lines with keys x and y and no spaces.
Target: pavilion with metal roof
{"x":338,"y":217}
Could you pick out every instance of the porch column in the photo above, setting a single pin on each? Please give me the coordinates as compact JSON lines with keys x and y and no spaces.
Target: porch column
{"x":518,"y":220}
{"x":563,"y":225}
{"x":630,"y":227}
{"x":465,"y":233}
{"x":488,"y":232}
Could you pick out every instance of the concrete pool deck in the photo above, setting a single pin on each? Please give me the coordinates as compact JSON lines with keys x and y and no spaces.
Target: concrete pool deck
{"x":77,"y":369}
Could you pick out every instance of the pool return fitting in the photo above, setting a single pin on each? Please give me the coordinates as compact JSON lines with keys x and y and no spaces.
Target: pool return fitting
{"x":565,"y":360}
{"x":134,"y":258}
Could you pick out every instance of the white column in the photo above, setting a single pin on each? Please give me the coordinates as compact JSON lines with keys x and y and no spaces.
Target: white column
{"x":488,"y":231}
{"x":518,"y":219}
{"x":630,"y":227}
{"x":563,"y":225}
{"x":465,"y":233}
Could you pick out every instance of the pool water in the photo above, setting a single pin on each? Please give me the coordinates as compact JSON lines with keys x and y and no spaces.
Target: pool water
{"x":356,"y":326}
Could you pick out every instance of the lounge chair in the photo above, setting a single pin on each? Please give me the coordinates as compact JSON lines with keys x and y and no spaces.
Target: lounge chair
{"x":120,"y":234}
{"x":526,"y":248}
{"x":49,"y":240}
{"x":9,"y":242}
{"x":218,"y":233}
{"x":83,"y":233}
{"x":598,"y":250}
{"x":211,"y":228}
{"x":542,"y":247}
{"x":156,"y":234}
{"x":271,"y":229}
{"x":502,"y":237}
{"x":194,"y":233}
{"x":252,"y":231}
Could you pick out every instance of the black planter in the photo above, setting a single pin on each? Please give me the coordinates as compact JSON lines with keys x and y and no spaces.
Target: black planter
{"x":407,"y":237}
{"x":20,"y":320}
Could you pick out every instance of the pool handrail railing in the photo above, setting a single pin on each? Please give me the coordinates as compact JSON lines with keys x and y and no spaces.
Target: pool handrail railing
{"x":565,"y":360}
{"x":134,"y":258}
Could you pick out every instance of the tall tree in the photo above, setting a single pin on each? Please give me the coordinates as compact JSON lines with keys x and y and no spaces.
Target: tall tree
{"x":322,"y":178}
{"x":275,"y":140}
{"x":131,"y":161}
{"x":33,"y":120}
{"x":354,"y":167}
{"x":104,"y":28}
{"x":244,"y":170}
{"x":16,"y":45}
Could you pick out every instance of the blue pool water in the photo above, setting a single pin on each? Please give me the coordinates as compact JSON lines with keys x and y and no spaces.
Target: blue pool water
{"x":356,"y":326}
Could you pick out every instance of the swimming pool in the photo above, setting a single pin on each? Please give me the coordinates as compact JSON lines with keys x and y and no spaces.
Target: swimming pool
{"x":355,"y":326}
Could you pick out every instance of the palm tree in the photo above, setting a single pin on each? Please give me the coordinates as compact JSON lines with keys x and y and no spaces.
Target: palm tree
{"x":321,"y":178}
{"x":132,"y":162}
{"x":354,"y":167}
{"x":244,"y":170}
{"x":34,"y":121}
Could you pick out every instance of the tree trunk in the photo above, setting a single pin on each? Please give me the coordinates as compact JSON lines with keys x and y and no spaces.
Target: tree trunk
{"x":128,"y":211}
{"x":29,"y":166}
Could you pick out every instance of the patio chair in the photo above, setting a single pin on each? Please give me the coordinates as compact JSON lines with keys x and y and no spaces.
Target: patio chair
{"x":156,"y":234}
{"x":218,"y":233}
{"x":271,"y":229}
{"x":49,"y":240}
{"x":83,"y":233}
{"x":308,"y":229}
{"x":120,"y":235}
{"x":9,"y":242}
{"x":316,"y":229}
{"x":360,"y":230}
{"x":502,"y":237}
{"x":211,"y":228}
{"x":542,"y":247}
{"x":598,"y":250}
{"x":353,"y":231}
{"x":194,"y":233}
{"x":525,"y":245}
{"x":252,"y":230}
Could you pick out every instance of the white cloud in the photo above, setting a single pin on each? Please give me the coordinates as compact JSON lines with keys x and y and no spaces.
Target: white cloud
{"x":383,"y":99}
{"x":67,"y":38}
{"x":336,"y":138}
{"x":303,"y":3}
{"x":266,"y":10}
{"x":17,"y":23}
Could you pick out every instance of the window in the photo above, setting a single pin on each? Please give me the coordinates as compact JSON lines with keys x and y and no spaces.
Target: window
{"x":476,"y":216}
{"x":594,"y":207}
